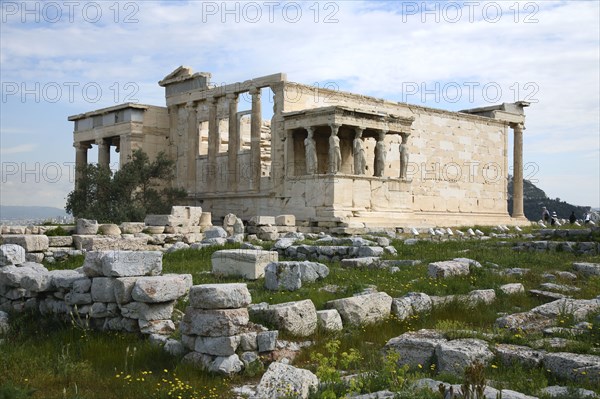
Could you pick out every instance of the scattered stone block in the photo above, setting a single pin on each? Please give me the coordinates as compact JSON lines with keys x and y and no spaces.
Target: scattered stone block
{"x":60,"y":241}
{"x":415,"y":348}
{"x":511,"y":354}
{"x":329,"y":320}
{"x":513,"y":288}
{"x":449,"y":268}
{"x":297,"y":318}
{"x":162,"y":327}
{"x":86,"y":227}
{"x":411,"y":304}
{"x":132,"y":227}
{"x":280,"y":379}
{"x":219,"y":296}
{"x":454,"y":356}
{"x":262,"y":221}
{"x":587,"y":269}
{"x":266,"y":341}
{"x":573,"y":366}
{"x":285,"y":220}
{"x":363,"y":309}
{"x":246,"y":263}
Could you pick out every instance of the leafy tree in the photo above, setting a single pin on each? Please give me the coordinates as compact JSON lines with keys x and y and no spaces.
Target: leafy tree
{"x":138,"y":188}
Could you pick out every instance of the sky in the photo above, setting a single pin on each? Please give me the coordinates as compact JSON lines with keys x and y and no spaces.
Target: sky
{"x":61,"y":58}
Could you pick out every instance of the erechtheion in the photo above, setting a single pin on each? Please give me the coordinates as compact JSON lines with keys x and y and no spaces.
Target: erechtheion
{"x":331,"y":158}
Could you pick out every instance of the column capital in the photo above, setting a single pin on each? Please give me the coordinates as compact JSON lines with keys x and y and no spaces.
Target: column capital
{"x":81,"y":146}
{"x":334,"y":127}
{"x":381,"y":135}
{"x":100,"y":142}
{"x":212,"y":100}
{"x":518,"y":126}
{"x":254,"y":91}
{"x":310,"y":129}
{"x":190,"y":105}
{"x":232,"y":96}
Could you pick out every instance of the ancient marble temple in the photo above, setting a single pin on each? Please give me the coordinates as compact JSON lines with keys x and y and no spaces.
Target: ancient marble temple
{"x":331,"y":158}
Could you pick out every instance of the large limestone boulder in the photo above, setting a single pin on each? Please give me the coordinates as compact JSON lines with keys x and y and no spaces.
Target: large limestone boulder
{"x":247,"y":263}
{"x":511,"y":354}
{"x":11,"y":254}
{"x":161,"y":288}
{"x":132,"y":227}
{"x":14,"y":276}
{"x":415,"y":348}
{"x":329,"y":320}
{"x":454,"y":356}
{"x":572,"y":366}
{"x":297,"y":318}
{"x":233,"y":225}
{"x":290,"y":275}
{"x":220,"y":296}
{"x":214,"y":322}
{"x":411,"y":304}
{"x":587,"y":269}
{"x":281,"y":379}
{"x":31,"y":243}
{"x":448,"y":268}
{"x":215,"y":232}
{"x":122,"y":263}
{"x":217,"y":346}
{"x":363,"y":309}
{"x":87,"y":227}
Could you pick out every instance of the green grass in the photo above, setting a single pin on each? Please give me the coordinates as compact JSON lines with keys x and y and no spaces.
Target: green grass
{"x":54,"y":360}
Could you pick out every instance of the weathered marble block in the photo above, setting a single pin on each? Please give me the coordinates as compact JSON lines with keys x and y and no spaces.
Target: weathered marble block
{"x":161,"y":288}
{"x":214,"y":322}
{"x":247,"y":263}
{"x":219,"y":296}
{"x":31,"y":243}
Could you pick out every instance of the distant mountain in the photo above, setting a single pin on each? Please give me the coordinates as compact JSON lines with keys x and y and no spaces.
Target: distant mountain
{"x":535,"y":198}
{"x":10,"y":212}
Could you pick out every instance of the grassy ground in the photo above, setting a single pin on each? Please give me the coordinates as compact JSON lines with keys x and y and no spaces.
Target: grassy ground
{"x":53,"y":360}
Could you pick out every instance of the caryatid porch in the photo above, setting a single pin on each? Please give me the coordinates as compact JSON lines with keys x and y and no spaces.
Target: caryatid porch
{"x":333,"y":140}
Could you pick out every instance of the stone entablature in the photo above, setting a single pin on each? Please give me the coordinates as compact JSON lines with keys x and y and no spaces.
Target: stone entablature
{"x":323,"y":152}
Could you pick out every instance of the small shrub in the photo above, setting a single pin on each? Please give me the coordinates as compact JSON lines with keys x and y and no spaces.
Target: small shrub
{"x":57,"y":231}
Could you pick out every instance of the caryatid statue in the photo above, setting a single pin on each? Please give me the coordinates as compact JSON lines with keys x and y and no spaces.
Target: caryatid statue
{"x":380,"y":155}
{"x":335,"y":153}
{"x":403,"y":155}
{"x":310,"y":148}
{"x":358,"y":150}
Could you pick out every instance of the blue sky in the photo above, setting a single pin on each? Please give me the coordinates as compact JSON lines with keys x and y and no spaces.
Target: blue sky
{"x":63,"y":58}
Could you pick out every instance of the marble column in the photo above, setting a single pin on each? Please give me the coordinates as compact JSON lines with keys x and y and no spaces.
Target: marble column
{"x":81,"y":152}
{"x":358,"y":152}
{"x":518,"y":171}
{"x":234,"y":143}
{"x":103,"y":153}
{"x":255,"y":127}
{"x":335,"y":154}
{"x":214,"y":142}
{"x":193,"y":146}
{"x":379,"y":166}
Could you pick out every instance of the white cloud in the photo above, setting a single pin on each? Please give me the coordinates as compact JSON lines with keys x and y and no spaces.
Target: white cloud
{"x":373,"y":49}
{"x":17,"y":149}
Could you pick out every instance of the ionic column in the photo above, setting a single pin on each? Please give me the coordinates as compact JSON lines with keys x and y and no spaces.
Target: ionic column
{"x":255,"y":126}
{"x":192,"y":142}
{"x":518,"y":171}
{"x":335,"y":154}
{"x":234,"y":143}
{"x":81,"y":150}
{"x":103,"y":153}
{"x":379,"y":167}
{"x":214,"y":141}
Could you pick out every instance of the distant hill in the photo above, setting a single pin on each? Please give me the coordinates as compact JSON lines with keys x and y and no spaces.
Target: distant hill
{"x":535,"y":198}
{"x":11,"y":212}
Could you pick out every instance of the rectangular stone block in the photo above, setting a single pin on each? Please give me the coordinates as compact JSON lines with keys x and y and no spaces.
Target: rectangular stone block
{"x":285,"y":220}
{"x":131,"y":263}
{"x":246,"y":263}
{"x":161,"y":288}
{"x":123,"y":288}
{"x":214,"y":322}
{"x":262,"y":220}
{"x":31,"y":243}
{"x":103,"y":289}
{"x":145,"y":311}
{"x":60,"y":241}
